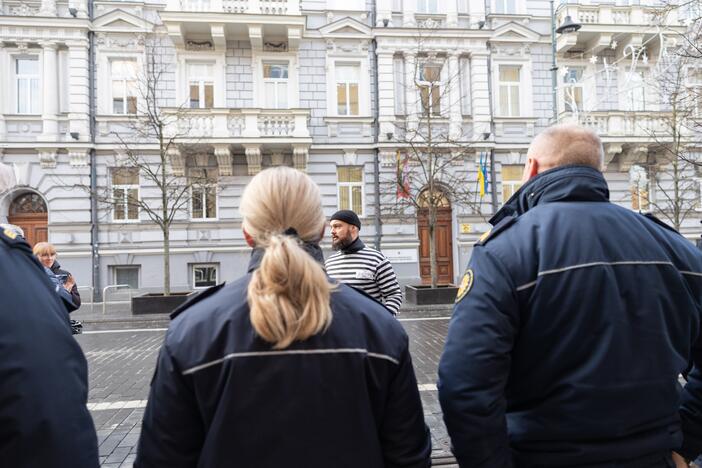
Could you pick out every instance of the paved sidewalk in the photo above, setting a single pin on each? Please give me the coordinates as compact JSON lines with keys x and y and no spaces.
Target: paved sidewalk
{"x":121,"y":359}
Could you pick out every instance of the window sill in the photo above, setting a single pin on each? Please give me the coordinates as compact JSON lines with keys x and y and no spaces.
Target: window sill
{"x":126,"y":221}
{"x":203,"y":220}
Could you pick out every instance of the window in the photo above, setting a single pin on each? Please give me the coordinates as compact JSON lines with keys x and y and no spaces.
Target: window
{"x":275,"y":82}
{"x":427,"y":6}
{"x":125,"y":193}
{"x":27,"y":85}
{"x":430,"y":89}
{"x":635,"y":91}
{"x":508,"y":7}
{"x":124,"y":96}
{"x":639,"y":188}
{"x":203,"y":201}
{"x":573,"y":89}
{"x":204,"y":276}
{"x":201,"y":85}
{"x":509,"y":90}
{"x":127,"y":275}
{"x":511,"y":180}
{"x":350,"y":184}
{"x":197,"y":5}
{"x":347,"y":78}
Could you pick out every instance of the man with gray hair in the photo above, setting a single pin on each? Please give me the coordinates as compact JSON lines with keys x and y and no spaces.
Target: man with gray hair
{"x":574,"y":319}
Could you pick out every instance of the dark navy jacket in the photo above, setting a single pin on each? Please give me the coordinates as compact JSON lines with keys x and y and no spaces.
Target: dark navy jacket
{"x":567,"y":347}
{"x":222,"y":397}
{"x":44,"y":421}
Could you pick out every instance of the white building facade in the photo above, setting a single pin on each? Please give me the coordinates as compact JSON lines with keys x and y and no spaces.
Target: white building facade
{"x":322,"y":86}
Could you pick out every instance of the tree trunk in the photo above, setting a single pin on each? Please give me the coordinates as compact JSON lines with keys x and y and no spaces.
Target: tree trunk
{"x":166,"y":262}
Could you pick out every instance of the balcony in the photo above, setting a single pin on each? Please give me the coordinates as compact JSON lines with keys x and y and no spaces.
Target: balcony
{"x":616,"y":27}
{"x":613,"y":125}
{"x":208,"y":24}
{"x":247,"y":7}
{"x":44,"y":8}
{"x":243,"y":126}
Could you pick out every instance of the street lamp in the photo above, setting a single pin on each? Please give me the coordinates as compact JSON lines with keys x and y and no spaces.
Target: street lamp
{"x":568,"y":26}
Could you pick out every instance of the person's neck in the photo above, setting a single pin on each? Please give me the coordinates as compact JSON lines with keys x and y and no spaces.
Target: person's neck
{"x":356,"y":245}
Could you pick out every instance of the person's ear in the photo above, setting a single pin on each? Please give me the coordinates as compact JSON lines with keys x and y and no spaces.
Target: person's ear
{"x":531,"y":169}
{"x":249,"y":239}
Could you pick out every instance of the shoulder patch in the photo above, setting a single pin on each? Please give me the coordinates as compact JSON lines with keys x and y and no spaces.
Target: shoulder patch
{"x":13,"y":240}
{"x":206,"y":293}
{"x":466,"y":285}
{"x":496,"y":229}
{"x":659,"y":222}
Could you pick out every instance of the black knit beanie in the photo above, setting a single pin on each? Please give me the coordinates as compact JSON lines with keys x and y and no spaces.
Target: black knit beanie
{"x":347,"y":216}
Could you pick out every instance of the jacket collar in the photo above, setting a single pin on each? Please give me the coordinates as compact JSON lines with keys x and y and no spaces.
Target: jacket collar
{"x":354,"y":246}
{"x":56,"y":266}
{"x":565,"y":183}
{"x":311,"y":248}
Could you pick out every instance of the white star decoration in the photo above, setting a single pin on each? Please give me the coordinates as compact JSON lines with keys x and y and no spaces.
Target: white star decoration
{"x":564,"y":71}
{"x":614,"y":45}
{"x":593,"y":59}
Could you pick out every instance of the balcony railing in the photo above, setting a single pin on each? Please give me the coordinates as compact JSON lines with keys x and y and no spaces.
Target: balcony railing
{"x":627,"y":124}
{"x":610,"y":14}
{"x":192,"y":124}
{"x":252,"y":7}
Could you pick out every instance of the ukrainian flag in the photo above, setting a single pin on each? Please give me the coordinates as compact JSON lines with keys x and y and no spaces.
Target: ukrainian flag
{"x":482,"y":176}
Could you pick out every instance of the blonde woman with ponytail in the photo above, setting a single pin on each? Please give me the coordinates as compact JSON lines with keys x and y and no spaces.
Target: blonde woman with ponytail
{"x":284,"y":368}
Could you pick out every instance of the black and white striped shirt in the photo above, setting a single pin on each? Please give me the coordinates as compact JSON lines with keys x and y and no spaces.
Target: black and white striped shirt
{"x":366,"y":269}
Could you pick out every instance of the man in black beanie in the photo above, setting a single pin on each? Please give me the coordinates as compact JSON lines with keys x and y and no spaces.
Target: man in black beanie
{"x":360,"y":266}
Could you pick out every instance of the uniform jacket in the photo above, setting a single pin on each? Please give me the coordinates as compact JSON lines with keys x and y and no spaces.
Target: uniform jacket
{"x":575,"y":319}
{"x":75,"y":295}
{"x":44,"y":421}
{"x":222,"y":397}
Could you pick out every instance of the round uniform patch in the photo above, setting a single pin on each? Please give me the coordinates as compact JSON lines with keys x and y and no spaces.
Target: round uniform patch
{"x":466,"y":284}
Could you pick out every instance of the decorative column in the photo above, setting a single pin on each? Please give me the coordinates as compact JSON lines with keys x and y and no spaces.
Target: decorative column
{"x":300,"y":157}
{"x":79,"y":87}
{"x":224,"y":159}
{"x":480,"y":97}
{"x":409,"y":8}
{"x":50,"y":92}
{"x":386,"y":93}
{"x":48,"y":8}
{"x":177,"y":161}
{"x":412,"y":104}
{"x":253,"y":158}
{"x":451,"y":13}
{"x":384,"y":13}
{"x":454,"y":95}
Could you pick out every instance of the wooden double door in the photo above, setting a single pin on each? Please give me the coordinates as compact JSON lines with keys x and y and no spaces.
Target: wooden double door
{"x":443,"y":240}
{"x":28,"y":211}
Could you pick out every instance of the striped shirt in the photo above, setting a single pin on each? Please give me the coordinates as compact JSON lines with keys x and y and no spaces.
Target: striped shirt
{"x":368,"y":270}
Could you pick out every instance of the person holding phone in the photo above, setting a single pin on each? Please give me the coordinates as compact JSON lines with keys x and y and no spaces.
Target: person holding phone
{"x":46,"y":253}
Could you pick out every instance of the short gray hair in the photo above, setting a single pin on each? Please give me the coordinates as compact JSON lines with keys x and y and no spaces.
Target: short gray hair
{"x":7,"y":178}
{"x":12,"y":228}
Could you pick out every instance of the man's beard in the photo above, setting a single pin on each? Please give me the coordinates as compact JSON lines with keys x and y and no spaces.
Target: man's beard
{"x":342,"y":243}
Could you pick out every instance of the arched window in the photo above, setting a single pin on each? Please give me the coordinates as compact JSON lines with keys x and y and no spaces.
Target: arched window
{"x":440,"y":199}
{"x":27,"y":203}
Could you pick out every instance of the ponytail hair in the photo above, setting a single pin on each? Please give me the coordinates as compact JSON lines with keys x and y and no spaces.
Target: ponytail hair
{"x":289,"y":294}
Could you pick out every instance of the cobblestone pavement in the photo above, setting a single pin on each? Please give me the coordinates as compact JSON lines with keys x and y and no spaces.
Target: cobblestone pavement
{"x":121,"y":363}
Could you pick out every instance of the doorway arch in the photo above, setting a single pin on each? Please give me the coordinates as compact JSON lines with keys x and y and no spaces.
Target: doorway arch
{"x":443,"y":239}
{"x":28,"y":211}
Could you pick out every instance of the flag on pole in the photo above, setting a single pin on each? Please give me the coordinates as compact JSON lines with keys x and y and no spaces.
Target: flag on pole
{"x":403,"y":189}
{"x":482,"y":175}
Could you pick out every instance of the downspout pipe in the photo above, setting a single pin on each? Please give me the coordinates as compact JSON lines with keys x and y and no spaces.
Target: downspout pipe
{"x":94,"y":231}
{"x":554,"y":67}
{"x":376,"y":159}
{"x":493,"y":176}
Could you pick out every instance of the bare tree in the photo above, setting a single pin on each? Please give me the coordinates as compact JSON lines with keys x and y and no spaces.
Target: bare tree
{"x":676,"y":189}
{"x":433,"y":147}
{"x":152,"y":122}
